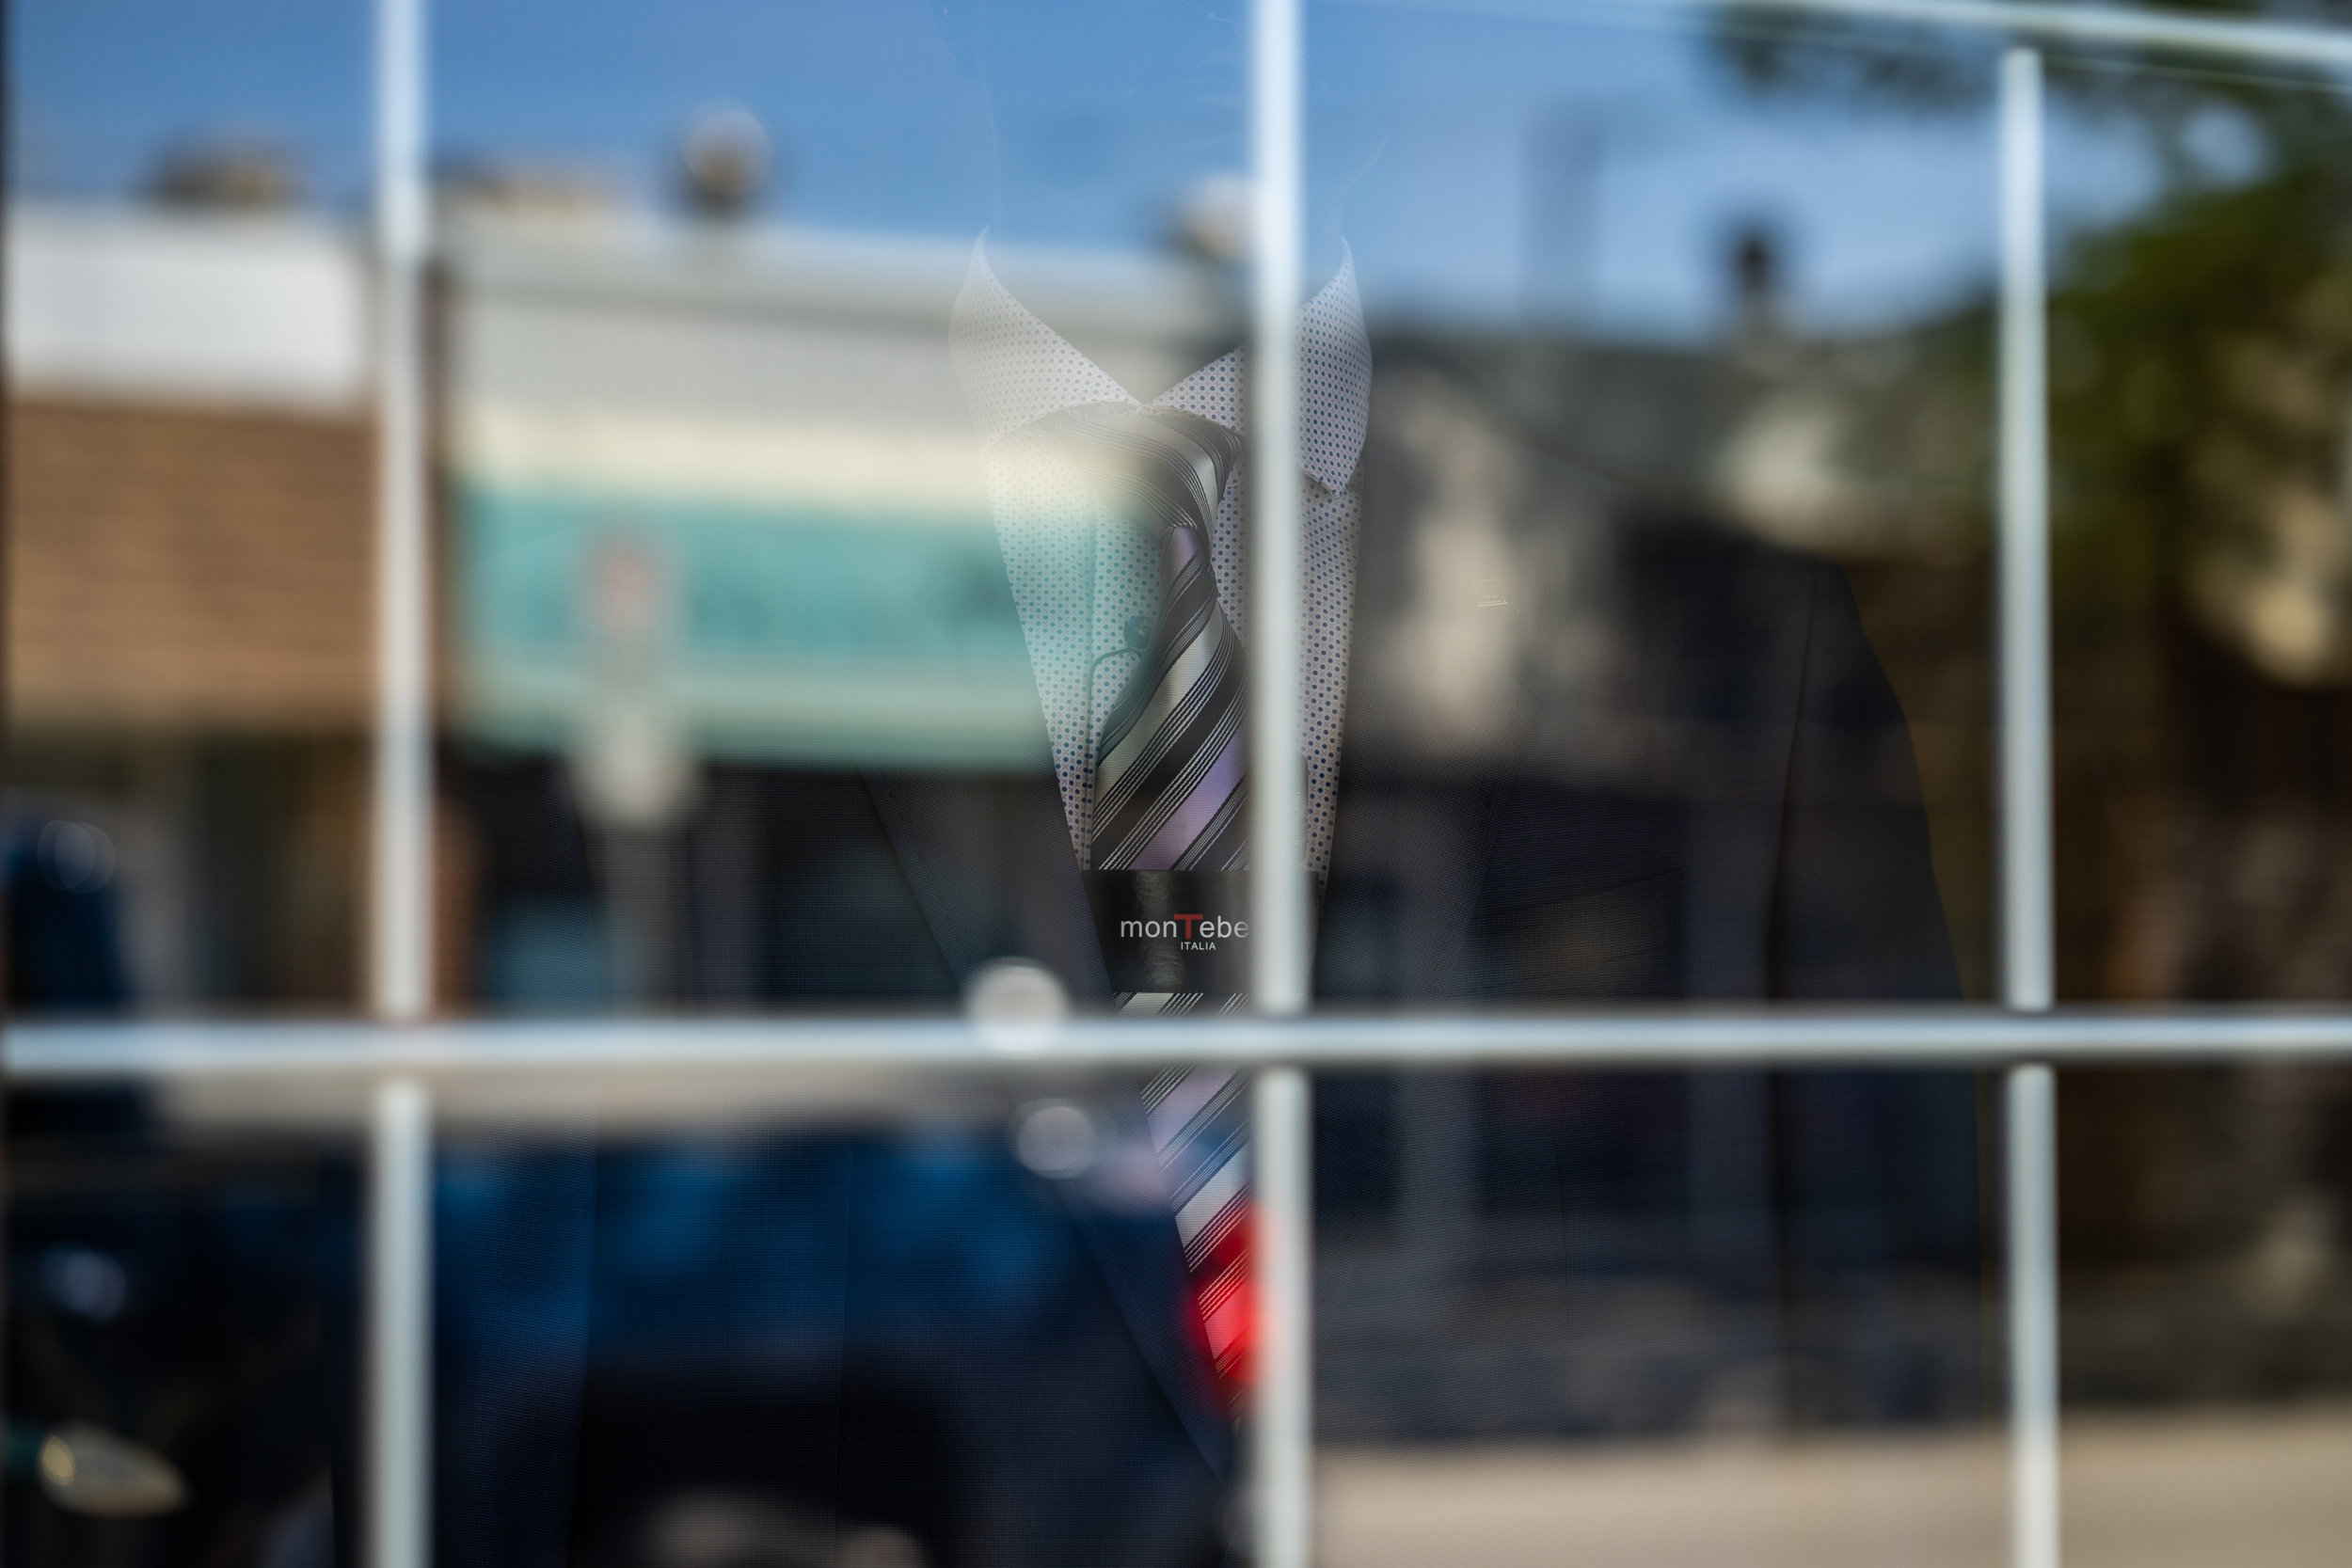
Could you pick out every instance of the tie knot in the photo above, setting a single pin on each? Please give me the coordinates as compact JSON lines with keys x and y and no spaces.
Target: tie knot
{"x":1163,"y":466}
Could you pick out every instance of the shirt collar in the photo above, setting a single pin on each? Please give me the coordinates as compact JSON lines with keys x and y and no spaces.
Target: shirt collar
{"x":1016,"y":371}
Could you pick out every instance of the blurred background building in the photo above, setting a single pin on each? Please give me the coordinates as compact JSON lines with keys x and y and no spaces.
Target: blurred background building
{"x":190,"y":504}
{"x":683,"y":465}
{"x":716,"y":517}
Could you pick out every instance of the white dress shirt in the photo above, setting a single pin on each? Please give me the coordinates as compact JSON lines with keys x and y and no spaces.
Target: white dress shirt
{"x":1081,"y":576}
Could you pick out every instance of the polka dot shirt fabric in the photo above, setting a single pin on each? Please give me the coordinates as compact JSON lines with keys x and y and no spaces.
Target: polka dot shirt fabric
{"x":1082,"y":577}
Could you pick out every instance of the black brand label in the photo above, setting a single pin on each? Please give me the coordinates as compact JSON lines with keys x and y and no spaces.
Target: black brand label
{"x":1173,"y":930}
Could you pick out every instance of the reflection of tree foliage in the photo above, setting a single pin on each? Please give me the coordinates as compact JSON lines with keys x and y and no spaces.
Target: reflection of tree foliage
{"x":2201,"y":354}
{"x":2202,"y":444}
{"x":2201,"y":345}
{"x":2200,"y":382}
{"x":1865,"y":62}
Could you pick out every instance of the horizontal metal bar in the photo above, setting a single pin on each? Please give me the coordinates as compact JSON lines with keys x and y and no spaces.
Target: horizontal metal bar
{"x":2023,"y":20}
{"x":1954,"y":1037}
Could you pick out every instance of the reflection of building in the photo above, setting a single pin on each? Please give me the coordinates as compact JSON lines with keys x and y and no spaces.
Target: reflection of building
{"x":2201,"y":785}
{"x":715,"y":526}
{"x":775,"y":435}
{"x":773,"y":423}
{"x":189,"y":493}
{"x":763,"y":433}
{"x":716,"y":520}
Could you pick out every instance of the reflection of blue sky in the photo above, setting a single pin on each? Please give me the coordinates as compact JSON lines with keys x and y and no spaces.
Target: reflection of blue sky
{"x":1883,"y":214}
{"x":98,"y":86}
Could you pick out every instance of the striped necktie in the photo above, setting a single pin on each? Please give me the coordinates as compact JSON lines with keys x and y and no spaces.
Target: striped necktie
{"x":1171,"y":794}
{"x":1170,"y":779}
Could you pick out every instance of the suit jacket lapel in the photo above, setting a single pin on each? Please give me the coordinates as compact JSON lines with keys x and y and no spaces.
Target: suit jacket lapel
{"x":1141,"y":1260}
{"x":991,"y":866}
{"x":1734,"y":777}
{"x":990,"y":862}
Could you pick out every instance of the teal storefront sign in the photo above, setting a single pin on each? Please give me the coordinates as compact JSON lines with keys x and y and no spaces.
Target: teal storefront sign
{"x":814,"y":635}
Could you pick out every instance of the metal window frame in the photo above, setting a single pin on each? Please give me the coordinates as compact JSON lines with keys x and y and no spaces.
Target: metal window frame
{"x":401,"y":1060}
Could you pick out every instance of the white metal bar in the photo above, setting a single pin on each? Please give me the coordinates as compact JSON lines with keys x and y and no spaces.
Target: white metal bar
{"x":1662,"y":1038}
{"x":2033,"y":1458}
{"x":400,"y":1234}
{"x":400,"y":1327}
{"x":1278,"y":846}
{"x":2127,"y":27}
{"x":401,"y":837}
{"x":2028,"y":881}
{"x":1282,"y":1435}
{"x":1282,"y":1430}
{"x":2025,"y":549}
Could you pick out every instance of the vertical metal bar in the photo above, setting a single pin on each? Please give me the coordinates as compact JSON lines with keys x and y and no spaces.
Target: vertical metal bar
{"x":400,"y":1327}
{"x":401,"y":922}
{"x":1282,"y":1454}
{"x":2024,"y":552}
{"x":2033,"y":1318}
{"x":400,"y":1236}
{"x":1283,"y":1437}
{"x":2027,"y":926}
{"x":1278,"y":850}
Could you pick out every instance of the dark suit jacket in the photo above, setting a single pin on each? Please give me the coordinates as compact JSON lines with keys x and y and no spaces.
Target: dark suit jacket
{"x":1614,"y":754}
{"x":1594,"y":752}
{"x":1605,"y":754}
